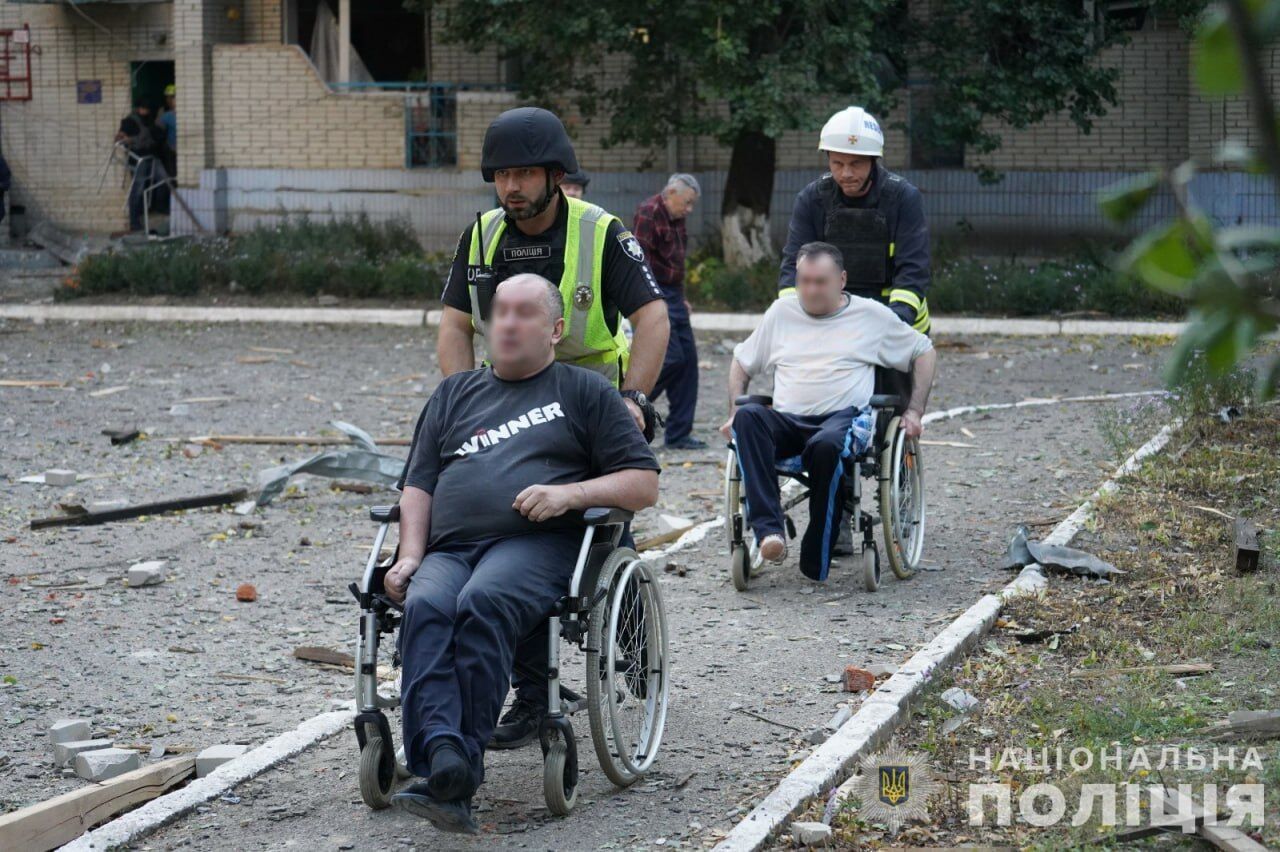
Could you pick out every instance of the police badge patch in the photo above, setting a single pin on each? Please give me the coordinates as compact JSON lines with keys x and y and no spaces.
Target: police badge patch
{"x":895,"y":786}
{"x":583,"y":296}
{"x":632,"y":246}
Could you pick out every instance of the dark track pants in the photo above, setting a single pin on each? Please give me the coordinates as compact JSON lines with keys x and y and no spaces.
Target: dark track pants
{"x":679,"y":376}
{"x":825,"y":443}
{"x":466,"y":607}
{"x":530,"y":679}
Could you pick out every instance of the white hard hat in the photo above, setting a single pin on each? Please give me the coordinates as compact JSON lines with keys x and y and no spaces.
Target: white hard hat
{"x":852,"y":130}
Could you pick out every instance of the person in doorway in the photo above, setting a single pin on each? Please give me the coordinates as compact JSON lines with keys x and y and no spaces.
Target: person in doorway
{"x":660,"y":228}
{"x":169,"y":123}
{"x":144,"y":143}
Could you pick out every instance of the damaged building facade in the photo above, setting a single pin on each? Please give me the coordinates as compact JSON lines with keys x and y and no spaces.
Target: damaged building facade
{"x":338,"y":107}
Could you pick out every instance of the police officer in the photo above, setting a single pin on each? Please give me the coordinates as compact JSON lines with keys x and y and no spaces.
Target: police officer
{"x":575,"y":184}
{"x":875,"y":218}
{"x":603,"y":277}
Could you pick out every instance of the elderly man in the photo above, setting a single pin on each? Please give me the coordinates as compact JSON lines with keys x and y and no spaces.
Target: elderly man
{"x":659,"y":226}
{"x":503,"y":461}
{"x":823,"y":348}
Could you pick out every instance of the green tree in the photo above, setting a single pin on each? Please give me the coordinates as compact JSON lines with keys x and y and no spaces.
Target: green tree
{"x":745,"y":71}
{"x":1228,"y":275}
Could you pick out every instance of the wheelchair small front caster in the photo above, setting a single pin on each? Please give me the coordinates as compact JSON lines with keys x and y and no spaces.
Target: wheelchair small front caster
{"x":740,"y":566}
{"x":377,"y":773}
{"x":871,"y":567}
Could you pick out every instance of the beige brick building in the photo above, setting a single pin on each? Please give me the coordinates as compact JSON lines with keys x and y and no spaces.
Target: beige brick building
{"x":262,"y":133}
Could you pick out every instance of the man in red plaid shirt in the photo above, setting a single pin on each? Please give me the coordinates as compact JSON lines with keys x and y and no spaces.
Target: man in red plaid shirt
{"x":659,"y":228}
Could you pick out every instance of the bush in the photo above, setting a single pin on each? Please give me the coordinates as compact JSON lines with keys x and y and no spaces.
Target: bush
{"x":353,"y":258}
{"x":1012,"y":288}
{"x":711,"y":285}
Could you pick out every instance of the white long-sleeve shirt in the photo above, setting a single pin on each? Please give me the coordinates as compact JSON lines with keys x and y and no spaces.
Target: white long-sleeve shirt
{"x":824,"y":364}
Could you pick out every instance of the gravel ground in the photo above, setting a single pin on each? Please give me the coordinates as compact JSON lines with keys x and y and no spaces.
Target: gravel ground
{"x":184,"y":664}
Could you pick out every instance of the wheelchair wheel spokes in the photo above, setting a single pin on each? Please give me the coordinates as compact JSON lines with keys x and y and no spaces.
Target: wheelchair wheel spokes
{"x":902,"y":500}
{"x":627,"y":670}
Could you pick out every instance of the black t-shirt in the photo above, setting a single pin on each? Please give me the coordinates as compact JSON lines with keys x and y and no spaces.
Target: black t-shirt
{"x":626,"y":282}
{"x":481,"y":441}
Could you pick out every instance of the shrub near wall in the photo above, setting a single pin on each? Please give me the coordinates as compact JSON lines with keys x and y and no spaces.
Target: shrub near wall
{"x":970,"y":286}
{"x":353,"y":259}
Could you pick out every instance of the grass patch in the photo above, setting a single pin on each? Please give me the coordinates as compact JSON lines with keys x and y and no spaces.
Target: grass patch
{"x":1180,"y":601}
{"x":353,"y":258}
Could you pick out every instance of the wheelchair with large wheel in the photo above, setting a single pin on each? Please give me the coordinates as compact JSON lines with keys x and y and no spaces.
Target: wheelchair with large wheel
{"x":613,"y":611}
{"x":891,"y":458}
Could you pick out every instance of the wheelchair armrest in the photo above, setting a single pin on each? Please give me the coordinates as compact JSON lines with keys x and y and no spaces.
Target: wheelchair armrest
{"x":604,"y":515}
{"x":757,"y":398}
{"x":385,"y":514}
{"x":885,"y":400}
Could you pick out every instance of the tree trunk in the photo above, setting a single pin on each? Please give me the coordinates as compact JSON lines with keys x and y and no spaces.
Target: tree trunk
{"x":744,"y":214}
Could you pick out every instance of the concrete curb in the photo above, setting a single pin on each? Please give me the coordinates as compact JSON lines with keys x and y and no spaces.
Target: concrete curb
{"x":889,"y":706}
{"x":161,"y":810}
{"x":413,"y":317}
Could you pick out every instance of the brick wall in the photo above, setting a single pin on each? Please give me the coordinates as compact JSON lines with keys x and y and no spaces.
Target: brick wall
{"x":56,"y":147}
{"x":271,"y":110}
{"x":1147,"y":127}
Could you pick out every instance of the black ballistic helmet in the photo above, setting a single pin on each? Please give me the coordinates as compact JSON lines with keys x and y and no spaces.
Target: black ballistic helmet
{"x":526,"y":136}
{"x":579,"y":177}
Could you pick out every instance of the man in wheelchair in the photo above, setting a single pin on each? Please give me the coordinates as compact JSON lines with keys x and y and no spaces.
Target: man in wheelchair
{"x":504,"y":460}
{"x":823,"y":347}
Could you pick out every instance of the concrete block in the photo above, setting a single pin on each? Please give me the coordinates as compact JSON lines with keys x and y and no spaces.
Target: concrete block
{"x":64,"y":753}
{"x":106,"y":763}
{"x":214,"y":756}
{"x":810,"y":833}
{"x":841,"y":716}
{"x":68,"y":730}
{"x":146,"y":573}
{"x":58,"y":476}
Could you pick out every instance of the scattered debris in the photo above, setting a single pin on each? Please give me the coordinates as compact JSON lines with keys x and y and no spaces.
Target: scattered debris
{"x":353,"y":487}
{"x":959,"y":699}
{"x":1031,"y":637}
{"x":675,"y":567}
{"x":1228,"y":413}
{"x":1172,"y":668}
{"x":1242,"y":724}
{"x":316,"y":654}
{"x":246,"y":593}
{"x":68,"y":730}
{"x":810,"y":833}
{"x":107,"y":763}
{"x":122,"y":436}
{"x":844,"y":714}
{"x":882,"y":669}
{"x":148,"y":573}
{"x":1247,"y":551}
{"x":57,"y":821}
{"x":179,"y":409}
{"x":366,"y":464}
{"x":816,"y":736}
{"x":59,"y":476}
{"x":64,"y":753}
{"x":197,"y":502}
{"x":214,"y":756}
{"x":30,"y":383}
{"x":1023,"y":551}
{"x":766,"y":719}
{"x":858,"y":680}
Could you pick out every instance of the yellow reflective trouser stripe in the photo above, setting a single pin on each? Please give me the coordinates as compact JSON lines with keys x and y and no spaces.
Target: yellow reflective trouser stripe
{"x":905,"y":296}
{"x":892,"y":246}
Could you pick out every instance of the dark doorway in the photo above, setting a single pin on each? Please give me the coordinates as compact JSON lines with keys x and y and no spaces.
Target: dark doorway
{"x":149,"y":79}
{"x":390,"y":41}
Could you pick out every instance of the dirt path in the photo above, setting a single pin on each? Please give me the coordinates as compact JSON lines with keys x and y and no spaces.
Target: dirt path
{"x":159,"y":664}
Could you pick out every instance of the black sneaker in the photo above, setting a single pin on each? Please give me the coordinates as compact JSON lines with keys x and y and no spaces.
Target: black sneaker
{"x":519,"y":726}
{"x":453,"y":817}
{"x":844,"y":541}
{"x":686,"y":443}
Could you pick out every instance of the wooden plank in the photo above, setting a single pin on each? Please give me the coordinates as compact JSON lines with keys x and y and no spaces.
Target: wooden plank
{"x":89,"y":518}
{"x":1172,"y":668}
{"x":317,"y":654}
{"x":62,"y":819}
{"x":1207,"y":825}
{"x":1247,"y":550}
{"x":662,"y":538}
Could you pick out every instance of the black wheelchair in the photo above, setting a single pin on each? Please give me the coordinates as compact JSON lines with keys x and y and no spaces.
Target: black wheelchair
{"x":891,"y":458}
{"x":613,"y":611}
